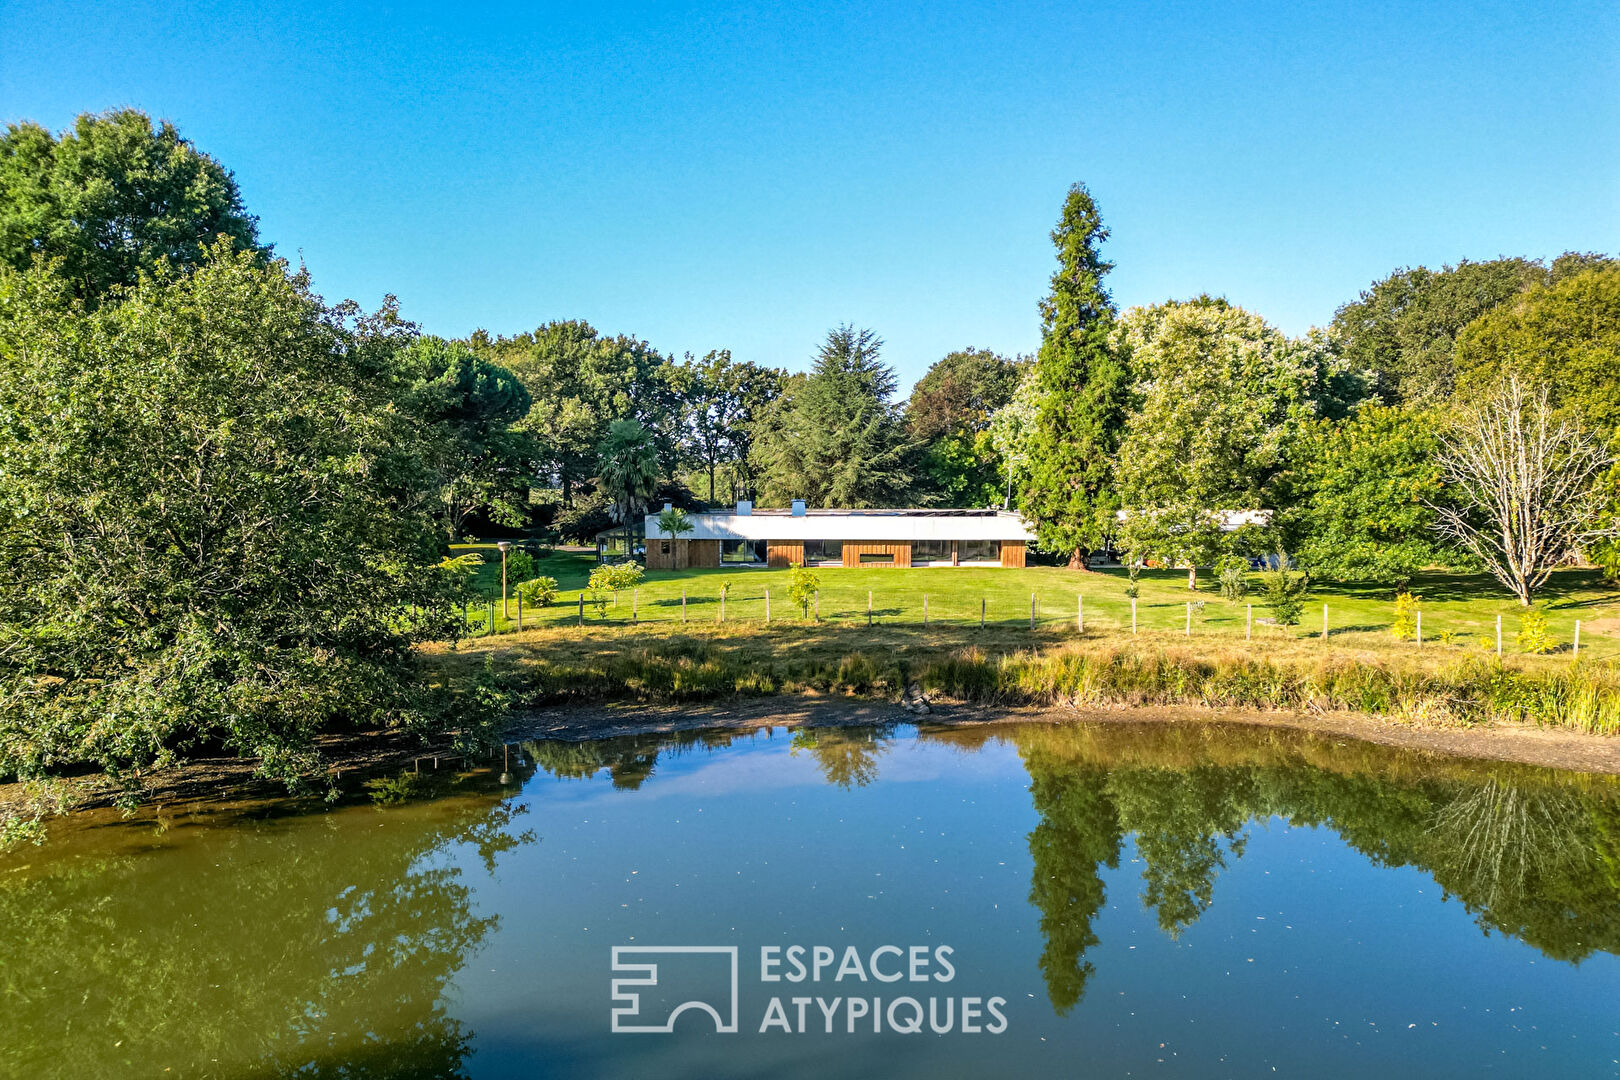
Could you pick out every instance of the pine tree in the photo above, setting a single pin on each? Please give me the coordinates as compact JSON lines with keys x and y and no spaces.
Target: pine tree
{"x":1081,"y":385}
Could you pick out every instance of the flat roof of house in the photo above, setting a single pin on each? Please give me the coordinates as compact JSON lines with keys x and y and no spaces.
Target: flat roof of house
{"x":881,"y":524}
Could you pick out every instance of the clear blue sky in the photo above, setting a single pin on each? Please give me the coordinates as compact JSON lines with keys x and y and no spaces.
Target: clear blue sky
{"x":749,"y":176}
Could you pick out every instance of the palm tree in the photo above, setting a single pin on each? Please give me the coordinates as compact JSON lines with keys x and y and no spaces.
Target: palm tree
{"x":629,"y":470}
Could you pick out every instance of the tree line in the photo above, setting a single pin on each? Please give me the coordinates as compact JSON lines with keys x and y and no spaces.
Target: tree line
{"x":226,"y":503}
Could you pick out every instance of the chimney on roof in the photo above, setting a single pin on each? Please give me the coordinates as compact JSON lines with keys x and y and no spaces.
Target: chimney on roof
{"x":744,"y":507}
{"x":798,"y":508}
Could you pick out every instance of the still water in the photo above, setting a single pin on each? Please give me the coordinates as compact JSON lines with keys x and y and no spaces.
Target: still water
{"x":1090,"y":900}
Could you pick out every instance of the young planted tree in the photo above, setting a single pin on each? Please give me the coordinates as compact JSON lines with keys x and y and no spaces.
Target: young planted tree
{"x":1526,"y":482}
{"x":1081,"y":383}
{"x":803,"y":587}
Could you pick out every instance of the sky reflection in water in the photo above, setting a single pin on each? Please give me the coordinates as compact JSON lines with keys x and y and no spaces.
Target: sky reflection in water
{"x":1186,"y":900}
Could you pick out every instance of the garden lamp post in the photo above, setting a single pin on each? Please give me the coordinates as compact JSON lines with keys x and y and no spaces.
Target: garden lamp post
{"x":505,"y":546}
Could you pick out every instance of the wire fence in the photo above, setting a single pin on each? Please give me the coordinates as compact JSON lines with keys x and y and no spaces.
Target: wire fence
{"x":488,"y":613}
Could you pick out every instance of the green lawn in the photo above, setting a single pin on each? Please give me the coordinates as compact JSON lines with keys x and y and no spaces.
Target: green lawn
{"x":1464,"y":608}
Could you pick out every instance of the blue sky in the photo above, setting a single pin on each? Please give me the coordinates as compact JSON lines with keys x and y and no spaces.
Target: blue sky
{"x":748,"y":176}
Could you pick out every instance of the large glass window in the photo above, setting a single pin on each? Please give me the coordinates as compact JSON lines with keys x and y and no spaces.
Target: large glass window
{"x":742,"y":551}
{"x":980,"y":550}
{"x":877,"y":558}
{"x":927,"y":551}
{"x":823,"y":552}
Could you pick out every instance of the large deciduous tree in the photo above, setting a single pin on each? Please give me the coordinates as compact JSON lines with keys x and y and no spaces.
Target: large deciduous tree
{"x":949,"y":416}
{"x":112,"y":197}
{"x":210,"y":531}
{"x":1220,"y":398}
{"x":836,"y":437}
{"x":1526,"y":480}
{"x":1081,"y":384}
{"x":1405,"y":328}
{"x":1564,"y":336}
{"x":581,"y":382}
{"x":722,"y":399}
{"x":1365,"y":491}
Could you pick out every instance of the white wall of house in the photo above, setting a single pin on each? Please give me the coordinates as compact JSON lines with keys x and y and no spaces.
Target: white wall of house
{"x":849,"y":526}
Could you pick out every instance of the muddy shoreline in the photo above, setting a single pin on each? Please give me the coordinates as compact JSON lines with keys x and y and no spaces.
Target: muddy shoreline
{"x":372,"y":752}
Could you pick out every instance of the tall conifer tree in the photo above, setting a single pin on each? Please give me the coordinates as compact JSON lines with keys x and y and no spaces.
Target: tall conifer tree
{"x":1081,"y":385}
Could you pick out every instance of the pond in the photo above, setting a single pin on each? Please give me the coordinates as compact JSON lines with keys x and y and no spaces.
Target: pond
{"x":1096,"y":899}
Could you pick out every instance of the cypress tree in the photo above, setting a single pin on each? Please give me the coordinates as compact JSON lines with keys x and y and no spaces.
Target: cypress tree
{"x":1082,"y":387}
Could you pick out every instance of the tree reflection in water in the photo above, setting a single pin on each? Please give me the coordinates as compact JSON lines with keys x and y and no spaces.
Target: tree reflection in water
{"x":311,"y":946}
{"x":1531,"y":853}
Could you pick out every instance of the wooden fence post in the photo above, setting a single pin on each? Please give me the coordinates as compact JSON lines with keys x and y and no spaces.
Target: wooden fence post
{"x":1032,"y":611}
{"x":520,"y":612}
{"x":1499,"y":637}
{"x":1248,"y":629}
{"x":818,"y":605}
{"x":1577,"y":655}
{"x":490,"y":629}
{"x":1324,"y":623}
{"x":722,"y":607}
{"x":635,"y":605}
{"x":767,"y":607}
{"x":925,"y":609}
{"x":683,"y":607}
{"x":981,"y":612}
{"x":1189,"y":618}
{"x":1080,"y":614}
{"x":1133,"y":614}
{"x":582,"y":608}
{"x":868,"y":607}
{"x":1420,"y":629}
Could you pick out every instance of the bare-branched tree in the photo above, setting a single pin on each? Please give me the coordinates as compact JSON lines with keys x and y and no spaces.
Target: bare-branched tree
{"x":1527,"y":482}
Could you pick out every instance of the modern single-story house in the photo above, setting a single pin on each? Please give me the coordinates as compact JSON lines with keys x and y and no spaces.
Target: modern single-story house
{"x":747,"y":536}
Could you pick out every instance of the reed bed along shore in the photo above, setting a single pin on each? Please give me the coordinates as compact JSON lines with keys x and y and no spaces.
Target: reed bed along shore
{"x":1440,"y":685}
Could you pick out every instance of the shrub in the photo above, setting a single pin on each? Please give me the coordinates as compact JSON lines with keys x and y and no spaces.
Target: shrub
{"x":614,"y":577}
{"x":1284,"y":589}
{"x":1533,"y":636}
{"x":1231,"y":576}
{"x":1405,"y":625}
{"x":520,"y":566}
{"x":538,"y":591}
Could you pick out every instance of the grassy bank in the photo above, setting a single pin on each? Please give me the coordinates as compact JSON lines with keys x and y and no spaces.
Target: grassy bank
{"x":1459,"y":609}
{"x":1004,"y":665}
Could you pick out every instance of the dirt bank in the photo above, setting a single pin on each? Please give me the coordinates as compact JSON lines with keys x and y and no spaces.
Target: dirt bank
{"x":369,"y":752}
{"x":1557,"y":748}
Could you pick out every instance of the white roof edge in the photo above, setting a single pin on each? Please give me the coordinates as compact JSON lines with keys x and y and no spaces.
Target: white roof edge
{"x":728,"y":525}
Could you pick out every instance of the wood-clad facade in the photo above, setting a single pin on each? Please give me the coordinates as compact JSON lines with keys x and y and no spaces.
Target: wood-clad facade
{"x":681,"y":554}
{"x":779,"y":553}
{"x":867,"y":537}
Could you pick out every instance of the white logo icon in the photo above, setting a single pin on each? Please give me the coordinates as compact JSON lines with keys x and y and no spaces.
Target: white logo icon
{"x":627,"y":1000}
